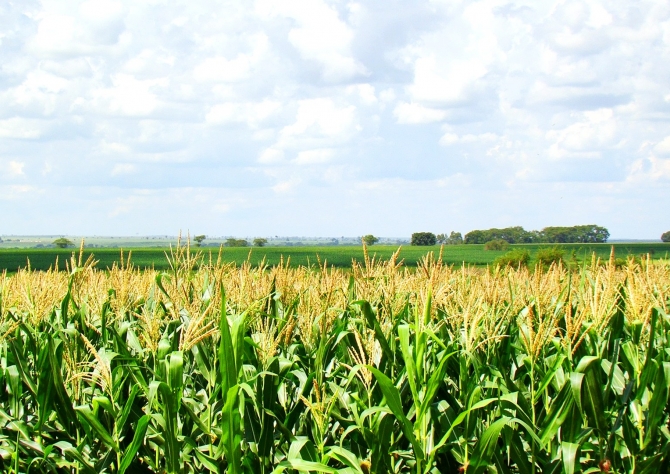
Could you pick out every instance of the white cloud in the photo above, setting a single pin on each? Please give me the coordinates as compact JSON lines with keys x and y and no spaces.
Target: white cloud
{"x":14,"y":169}
{"x":319,"y":121}
{"x":271,"y":155}
{"x":127,"y":96}
{"x":252,"y":108}
{"x":318,"y":156}
{"x":123,"y":168}
{"x":446,"y":84}
{"x":588,"y":137}
{"x":23,"y":128}
{"x":252,"y":114}
{"x":319,"y":36}
{"x":415,"y":113}
{"x":663,"y":147}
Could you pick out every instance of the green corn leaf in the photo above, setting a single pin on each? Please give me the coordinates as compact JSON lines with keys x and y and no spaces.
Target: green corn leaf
{"x":373,"y":323}
{"x":300,"y":448}
{"x":267,"y":396}
{"x":88,"y":417}
{"x":61,"y":399}
{"x":227,"y":362}
{"x":207,"y":461}
{"x":576,"y":380}
{"x":569,"y":456}
{"x":657,"y":405}
{"x":434,"y":382}
{"x":460,"y":418}
{"x":101,"y":401}
{"x":595,"y":406}
{"x":70,"y":452}
{"x":138,"y":439}
{"x":346,"y":457}
{"x":170,"y":428}
{"x":175,"y":377}
{"x":408,"y":358}
{"x":560,"y":409}
{"x":186,"y":405}
{"x":232,"y":432}
{"x":123,"y":416}
{"x":393,"y":400}
{"x":549,"y":377}
{"x":303,"y":466}
{"x":483,"y":452}
{"x":382,"y":446}
{"x":22,"y":369}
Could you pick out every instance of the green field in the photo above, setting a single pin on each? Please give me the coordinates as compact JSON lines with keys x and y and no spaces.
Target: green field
{"x":338,"y":256}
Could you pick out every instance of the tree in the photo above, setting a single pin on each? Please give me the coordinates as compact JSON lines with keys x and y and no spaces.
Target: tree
{"x":666,"y":236}
{"x":423,"y":238}
{"x":370,"y":239}
{"x":198,"y":240}
{"x":441,"y":238}
{"x":260,"y":242}
{"x":62,"y":243}
{"x":455,"y":238}
{"x":233,"y":242}
{"x":497,"y":244}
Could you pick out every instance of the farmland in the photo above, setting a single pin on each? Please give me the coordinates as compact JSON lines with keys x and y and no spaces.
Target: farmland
{"x":210,"y":366}
{"x":339,"y":256}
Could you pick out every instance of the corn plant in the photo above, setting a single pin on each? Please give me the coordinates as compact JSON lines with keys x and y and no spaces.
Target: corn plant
{"x":211,"y":367}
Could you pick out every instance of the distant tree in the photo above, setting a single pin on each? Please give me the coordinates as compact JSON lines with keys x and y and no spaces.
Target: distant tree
{"x":198,"y":240}
{"x":260,"y":242}
{"x":423,"y":238}
{"x":512,"y":235}
{"x":514,"y":258}
{"x":370,"y":239}
{"x":441,"y":238}
{"x":455,"y":238}
{"x":233,"y":242}
{"x":497,"y":244}
{"x":666,"y":236}
{"x":545,"y":257}
{"x":62,"y":243}
{"x":591,"y":234}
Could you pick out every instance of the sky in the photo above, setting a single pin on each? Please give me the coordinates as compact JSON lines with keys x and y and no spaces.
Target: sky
{"x":333,"y":118}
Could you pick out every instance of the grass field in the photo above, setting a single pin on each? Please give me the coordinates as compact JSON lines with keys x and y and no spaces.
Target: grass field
{"x":338,"y":256}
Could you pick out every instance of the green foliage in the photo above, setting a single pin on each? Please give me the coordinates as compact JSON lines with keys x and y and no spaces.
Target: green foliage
{"x":665,"y":237}
{"x":579,"y":233}
{"x":423,"y":238}
{"x":62,"y":243}
{"x":370,"y":239}
{"x":545,"y":257}
{"x":454,"y":238}
{"x":498,"y":244}
{"x":518,"y":235}
{"x":233,"y":242}
{"x":512,"y":235}
{"x":198,"y":240}
{"x":515,"y":258}
{"x":260,"y":242}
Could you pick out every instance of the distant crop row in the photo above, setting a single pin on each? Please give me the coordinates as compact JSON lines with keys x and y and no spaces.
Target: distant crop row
{"x":215,"y":367}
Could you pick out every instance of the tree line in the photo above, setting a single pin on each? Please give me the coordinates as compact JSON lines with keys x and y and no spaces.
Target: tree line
{"x":555,"y":235}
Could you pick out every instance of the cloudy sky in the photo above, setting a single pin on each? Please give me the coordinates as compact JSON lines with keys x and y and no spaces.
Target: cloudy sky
{"x":331,"y":118}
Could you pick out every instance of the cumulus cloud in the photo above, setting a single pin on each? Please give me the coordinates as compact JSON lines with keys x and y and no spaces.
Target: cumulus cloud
{"x":252,"y":108}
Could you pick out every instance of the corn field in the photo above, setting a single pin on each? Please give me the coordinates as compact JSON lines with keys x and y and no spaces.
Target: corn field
{"x":211,"y":367}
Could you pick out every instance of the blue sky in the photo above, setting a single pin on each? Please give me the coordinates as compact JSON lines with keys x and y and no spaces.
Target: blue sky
{"x":330,"y":118}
